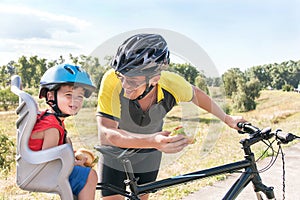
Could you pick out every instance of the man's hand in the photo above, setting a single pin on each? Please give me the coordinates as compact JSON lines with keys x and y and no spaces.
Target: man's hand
{"x":172,"y":144}
{"x":232,"y":121}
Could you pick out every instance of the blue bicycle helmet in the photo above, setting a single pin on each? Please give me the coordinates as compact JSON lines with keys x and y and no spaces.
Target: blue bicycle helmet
{"x":60,"y":75}
{"x":142,"y":55}
{"x":55,"y":76}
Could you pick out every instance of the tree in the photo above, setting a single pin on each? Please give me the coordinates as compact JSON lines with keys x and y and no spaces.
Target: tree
{"x":7,"y":99}
{"x":201,"y":83}
{"x":74,"y":59}
{"x":24,"y":69}
{"x":186,"y":70}
{"x":3,"y":76}
{"x":231,"y":79}
{"x":7,"y":153}
{"x":61,"y":60}
{"x":244,"y":98}
{"x":261,"y":73}
{"x":217,"y":82}
{"x":241,"y":90}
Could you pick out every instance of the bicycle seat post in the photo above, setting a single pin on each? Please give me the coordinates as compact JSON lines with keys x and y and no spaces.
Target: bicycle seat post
{"x":131,"y":179}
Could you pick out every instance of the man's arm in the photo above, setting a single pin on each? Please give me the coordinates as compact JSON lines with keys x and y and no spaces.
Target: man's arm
{"x":110,"y":135}
{"x":205,"y":102}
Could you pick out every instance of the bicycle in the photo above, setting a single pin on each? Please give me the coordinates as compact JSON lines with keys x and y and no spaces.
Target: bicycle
{"x":248,"y":165}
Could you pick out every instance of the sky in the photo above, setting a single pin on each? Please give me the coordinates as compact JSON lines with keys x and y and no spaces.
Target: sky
{"x":233,"y":33}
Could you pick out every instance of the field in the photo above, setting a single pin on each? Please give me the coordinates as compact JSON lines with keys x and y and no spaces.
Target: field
{"x":215,"y":142}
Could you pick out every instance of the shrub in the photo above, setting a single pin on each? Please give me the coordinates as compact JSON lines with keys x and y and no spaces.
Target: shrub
{"x":287,"y":88}
{"x":7,"y":154}
{"x":8,"y":99}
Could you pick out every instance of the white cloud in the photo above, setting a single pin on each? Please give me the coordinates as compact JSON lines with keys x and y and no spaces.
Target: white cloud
{"x":27,"y":31}
{"x":23,"y":22}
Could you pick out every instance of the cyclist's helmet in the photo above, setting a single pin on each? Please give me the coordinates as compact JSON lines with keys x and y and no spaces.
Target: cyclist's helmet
{"x":55,"y":76}
{"x":142,"y":55}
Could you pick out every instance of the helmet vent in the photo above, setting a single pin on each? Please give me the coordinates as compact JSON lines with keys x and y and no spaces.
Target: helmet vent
{"x":139,"y":62}
{"x":78,"y":68}
{"x":69,"y":69}
{"x":161,"y":58}
{"x":151,"y":52}
{"x":139,"y":51}
{"x":122,"y":60}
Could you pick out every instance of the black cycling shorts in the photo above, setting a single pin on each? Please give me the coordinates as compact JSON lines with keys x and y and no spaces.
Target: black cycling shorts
{"x":145,"y":166}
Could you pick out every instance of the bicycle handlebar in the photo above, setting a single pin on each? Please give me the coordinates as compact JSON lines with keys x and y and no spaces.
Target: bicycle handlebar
{"x":266,"y":133}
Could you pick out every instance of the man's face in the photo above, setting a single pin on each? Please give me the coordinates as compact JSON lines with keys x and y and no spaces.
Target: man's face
{"x":133,"y":86}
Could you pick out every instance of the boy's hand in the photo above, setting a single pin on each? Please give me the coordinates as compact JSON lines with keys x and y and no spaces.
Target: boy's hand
{"x":86,"y":157}
{"x":81,"y":161}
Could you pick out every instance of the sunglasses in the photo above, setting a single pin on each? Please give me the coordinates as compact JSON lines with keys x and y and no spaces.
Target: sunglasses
{"x":132,"y":82}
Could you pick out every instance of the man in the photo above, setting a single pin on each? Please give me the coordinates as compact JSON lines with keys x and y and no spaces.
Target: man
{"x":134,"y":97}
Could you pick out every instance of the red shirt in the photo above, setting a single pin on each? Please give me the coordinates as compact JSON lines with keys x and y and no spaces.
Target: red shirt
{"x":44,"y":122}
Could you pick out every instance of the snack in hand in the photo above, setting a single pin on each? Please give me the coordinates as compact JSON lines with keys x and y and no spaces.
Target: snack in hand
{"x":82,"y":153}
{"x":180,"y":130}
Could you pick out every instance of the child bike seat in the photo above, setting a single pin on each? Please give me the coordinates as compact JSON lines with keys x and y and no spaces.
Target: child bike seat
{"x":39,"y":171}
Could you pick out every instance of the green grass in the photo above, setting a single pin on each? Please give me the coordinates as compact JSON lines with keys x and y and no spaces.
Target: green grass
{"x":215,"y":141}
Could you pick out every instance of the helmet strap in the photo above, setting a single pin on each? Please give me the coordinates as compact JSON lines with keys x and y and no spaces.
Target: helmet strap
{"x":54,"y":106}
{"x":147,"y":90}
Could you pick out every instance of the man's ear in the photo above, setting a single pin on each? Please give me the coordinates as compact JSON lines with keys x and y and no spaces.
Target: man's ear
{"x":154,"y":80}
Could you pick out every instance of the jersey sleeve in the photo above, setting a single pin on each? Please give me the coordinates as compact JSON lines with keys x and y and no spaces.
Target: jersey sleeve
{"x":181,"y":89}
{"x":108,"y":96}
{"x":47,"y":122}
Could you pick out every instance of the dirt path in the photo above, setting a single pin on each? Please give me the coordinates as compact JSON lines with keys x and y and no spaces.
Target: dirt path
{"x":272,"y":177}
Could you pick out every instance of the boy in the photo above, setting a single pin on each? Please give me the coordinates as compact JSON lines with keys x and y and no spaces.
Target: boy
{"x":64,"y":88}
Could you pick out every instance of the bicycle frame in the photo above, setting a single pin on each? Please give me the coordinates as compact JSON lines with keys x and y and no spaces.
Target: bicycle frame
{"x":250,"y":173}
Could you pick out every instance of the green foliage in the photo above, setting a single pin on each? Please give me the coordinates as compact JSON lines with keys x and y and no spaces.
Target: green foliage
{"x":231,"y":79}
{"x":276,"y":75}
{"x":227,"y":108}
{"x":186,"y":70}
{"x":253,"y":88}
{"x":244,"y":98}
{"x":287,"y":87}
{"x":8,"y":99}
{"x":201,"y":83}
{"x":242,"y":91}
{"x":238,"y":85}
{"x":7,"y":154}
{"x":31,"y":69}
{"x":242,"y":103}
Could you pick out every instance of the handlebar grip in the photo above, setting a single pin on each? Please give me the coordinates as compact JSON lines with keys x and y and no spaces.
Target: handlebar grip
{"x":247,"y":128}
{"x":240,"y":124}
{"x":285,"y":137}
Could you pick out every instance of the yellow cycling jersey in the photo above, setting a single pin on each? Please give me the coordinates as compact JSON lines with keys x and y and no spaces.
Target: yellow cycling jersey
{"x":112,"y":103}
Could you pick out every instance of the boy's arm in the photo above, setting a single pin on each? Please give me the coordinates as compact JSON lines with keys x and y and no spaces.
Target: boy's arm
{"x":51,"y":138}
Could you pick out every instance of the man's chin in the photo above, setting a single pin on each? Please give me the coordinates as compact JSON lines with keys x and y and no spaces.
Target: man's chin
{"x":130,"y":95}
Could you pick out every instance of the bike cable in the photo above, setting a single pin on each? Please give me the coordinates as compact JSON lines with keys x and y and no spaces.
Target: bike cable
{"x":273,"y":157}
{"x":272,"y":161}
{"x":283,"y":172}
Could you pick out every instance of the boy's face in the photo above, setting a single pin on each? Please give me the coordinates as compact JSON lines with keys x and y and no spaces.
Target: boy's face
{"x":69,"y":99}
